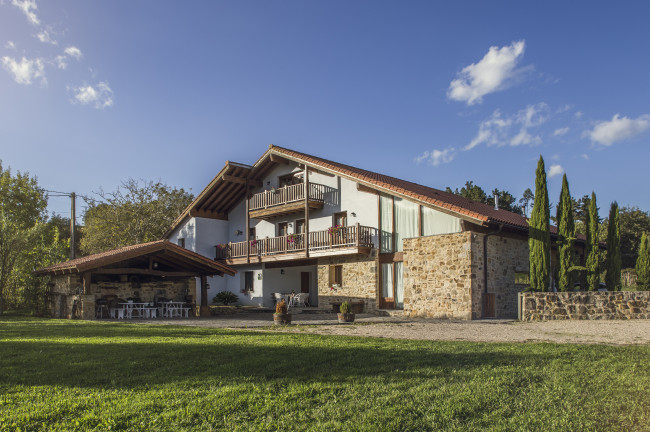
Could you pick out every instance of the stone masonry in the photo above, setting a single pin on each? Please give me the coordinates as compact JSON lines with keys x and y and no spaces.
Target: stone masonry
{"x":68,"y":301}
{"x":506,"y":256}
{"x":359,"y":282}
{"x":542,"y":306}
{"x":438,"y":276}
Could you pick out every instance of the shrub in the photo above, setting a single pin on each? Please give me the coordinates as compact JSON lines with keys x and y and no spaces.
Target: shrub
{"x":225,"y":297}
{"x":281,"y":307}
{"x":346,"y":307}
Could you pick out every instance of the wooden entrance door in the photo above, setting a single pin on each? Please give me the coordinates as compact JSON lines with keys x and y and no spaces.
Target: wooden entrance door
{"x":304,"y":282}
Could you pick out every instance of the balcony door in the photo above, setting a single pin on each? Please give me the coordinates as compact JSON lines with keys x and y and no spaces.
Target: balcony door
{"x":283,"y":229}
{"x":392,"y":287}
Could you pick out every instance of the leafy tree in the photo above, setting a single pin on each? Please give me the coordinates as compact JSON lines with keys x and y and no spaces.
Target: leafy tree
{"x":471,"y":191}
{"x":581,"y":213}
{"x":643,"y":264}
{"x":633,"y":223}
{"x":22,"y":208}
{"x":593,"y":254}
{"x":613,"y":261}
{"x":476,"y":193}
{"x":527,"y":198}
{"x":539,"y":240}
{"x":566,"y":237}
{"x":137,"y":212}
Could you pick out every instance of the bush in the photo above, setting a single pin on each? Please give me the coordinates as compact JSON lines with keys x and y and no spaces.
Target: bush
{"x":346,"y":307}
{"x":225,"y":297}
{"x":281,"y":307}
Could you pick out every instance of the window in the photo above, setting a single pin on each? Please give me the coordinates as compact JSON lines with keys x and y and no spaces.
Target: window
{"x":283,"y":229}
{"x":386,"y":209}
{"x":251,"y":234}
{"x":181,"y":242}
{"x":300,"y":226}
{"x":341,"y":219}
{"x":336,"y":275}
{"x":288,"y":180}
{"x":248,"y":282}
{"x":406,"y":221}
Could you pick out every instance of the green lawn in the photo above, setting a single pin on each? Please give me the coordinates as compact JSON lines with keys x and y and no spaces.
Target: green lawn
{"x":71,"y":375}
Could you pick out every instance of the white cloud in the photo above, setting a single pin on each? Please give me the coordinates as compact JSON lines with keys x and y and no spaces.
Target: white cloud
{"x":10,"y":45}
{"x":578,"y":114}
{"x":29,"y":9}
{"x":73,"y":51}
{"x":45,"y":37}
{"x":25,"y":70}
{"x":492,"y":73}
{"x":436,"y":157}
{"x":561,"y":131}
{"x":619,"y":129}
{"x":101,"y":96}
{"x":61,"y":61}
{"x":555,"y":170}
{"x":585,"y":156}
{"x":513,"y":130}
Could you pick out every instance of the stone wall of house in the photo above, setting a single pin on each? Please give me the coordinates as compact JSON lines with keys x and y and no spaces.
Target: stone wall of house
{"x":507,"y":255}
{"x":68,"y":300}
{"x":359,"y":281}
{"x":541,"y":306}
{"x":438,"y":278}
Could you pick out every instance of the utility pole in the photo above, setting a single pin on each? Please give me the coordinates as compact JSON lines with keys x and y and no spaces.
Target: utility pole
{"x":73,"y":217}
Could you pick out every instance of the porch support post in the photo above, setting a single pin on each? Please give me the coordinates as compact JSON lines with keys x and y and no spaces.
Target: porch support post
{"x":247,"y":227}
{"x":205,"y":310}
{"x":306,"y":240}
{"x":85,"y":282}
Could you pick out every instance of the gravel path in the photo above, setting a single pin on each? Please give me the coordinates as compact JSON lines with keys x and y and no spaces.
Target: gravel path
{"x":581,"y":332}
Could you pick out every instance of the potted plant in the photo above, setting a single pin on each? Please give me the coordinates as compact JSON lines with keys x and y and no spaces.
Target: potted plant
{"x":345,"y":313}
{"x":281,"y":315}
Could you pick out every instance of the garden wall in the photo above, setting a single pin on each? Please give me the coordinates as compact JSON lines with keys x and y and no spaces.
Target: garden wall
{"x":541,"y":306}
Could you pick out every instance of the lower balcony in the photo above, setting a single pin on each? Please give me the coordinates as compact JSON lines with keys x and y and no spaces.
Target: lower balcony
{"x":356,"y":239}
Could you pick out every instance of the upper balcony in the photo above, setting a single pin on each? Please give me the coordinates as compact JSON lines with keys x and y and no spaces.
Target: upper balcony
{"x":285,"y":200}
{"x":347,"y":240}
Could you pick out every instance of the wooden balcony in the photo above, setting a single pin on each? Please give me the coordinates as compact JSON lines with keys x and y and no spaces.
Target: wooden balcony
{"x":285,"y":200}
{"x":346,"y":240}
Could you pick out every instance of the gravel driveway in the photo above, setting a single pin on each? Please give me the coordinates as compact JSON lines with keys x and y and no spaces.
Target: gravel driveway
{"x":583,"y":332}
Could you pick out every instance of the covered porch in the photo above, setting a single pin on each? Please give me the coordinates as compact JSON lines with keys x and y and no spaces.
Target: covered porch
{"x":145,"y":280}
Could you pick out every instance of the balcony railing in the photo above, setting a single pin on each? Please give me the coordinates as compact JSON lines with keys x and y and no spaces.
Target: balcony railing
{"x":285,"y":195}
{"x":343,"y":237}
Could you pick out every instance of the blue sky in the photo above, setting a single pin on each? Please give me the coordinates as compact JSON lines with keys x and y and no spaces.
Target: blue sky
{"x":92,"y":93}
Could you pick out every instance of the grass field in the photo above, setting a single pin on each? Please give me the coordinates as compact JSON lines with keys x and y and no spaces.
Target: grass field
{"x":71,"y":375}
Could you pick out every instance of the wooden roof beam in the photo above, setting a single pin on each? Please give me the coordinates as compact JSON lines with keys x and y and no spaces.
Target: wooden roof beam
{"x":208,"y":214}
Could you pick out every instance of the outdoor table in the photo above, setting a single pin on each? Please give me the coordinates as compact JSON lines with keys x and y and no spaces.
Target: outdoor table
{"x":141,"y":308}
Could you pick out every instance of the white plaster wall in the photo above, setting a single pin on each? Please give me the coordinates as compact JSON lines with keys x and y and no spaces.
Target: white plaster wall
{"x":235,"y":285}
{"x":275,"y":281}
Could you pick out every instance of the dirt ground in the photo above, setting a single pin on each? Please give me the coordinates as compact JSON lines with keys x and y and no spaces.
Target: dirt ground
{"x":581,"y":332}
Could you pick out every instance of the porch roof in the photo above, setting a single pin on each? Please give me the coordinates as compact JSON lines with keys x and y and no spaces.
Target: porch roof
{"x":158,"y":258}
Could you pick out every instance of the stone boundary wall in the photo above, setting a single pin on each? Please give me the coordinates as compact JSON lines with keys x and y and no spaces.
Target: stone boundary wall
{"x":542,"y":306}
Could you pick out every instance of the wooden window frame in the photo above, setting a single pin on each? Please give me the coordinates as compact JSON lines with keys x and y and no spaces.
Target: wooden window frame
{"x":337,"y":214}
{"x":249,"y":288}
{"x":181,"y":242}
{"x":336,"y":275}
{"x":278,"y":232}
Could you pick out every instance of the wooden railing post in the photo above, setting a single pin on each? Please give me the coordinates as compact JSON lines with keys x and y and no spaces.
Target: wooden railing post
{"x":358,"y":234}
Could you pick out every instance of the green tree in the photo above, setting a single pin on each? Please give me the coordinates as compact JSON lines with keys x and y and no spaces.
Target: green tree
{"x":633,"y":223}
{"x":581,"y":213}
{"x":539,"y":240}
{"x":613,"y":260}
{"x":527,"y":198}
{"x":593,"y":253}
{"x":137,"y":212}
{"x":22,"y":209}
{"x":643,"y":264}
{"x":476,"y":193}
{"x":566,"y":237}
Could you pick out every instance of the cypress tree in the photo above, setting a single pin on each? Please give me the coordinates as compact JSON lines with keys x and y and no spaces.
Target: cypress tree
{"x":593,"y":273}
{"x":643,"y":265}
{"x":613,"y":261}
{"x":539,"y":240}
{"x":566,"y":237}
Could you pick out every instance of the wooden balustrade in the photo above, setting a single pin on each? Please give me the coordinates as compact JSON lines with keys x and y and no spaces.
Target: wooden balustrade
{"x":333,"y":238}
{"x":285,"y":195}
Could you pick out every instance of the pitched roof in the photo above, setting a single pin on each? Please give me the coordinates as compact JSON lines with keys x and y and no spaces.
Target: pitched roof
{"x":425,"y":194}
{"x":482,"y":214}
{"x":170,"y":252}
